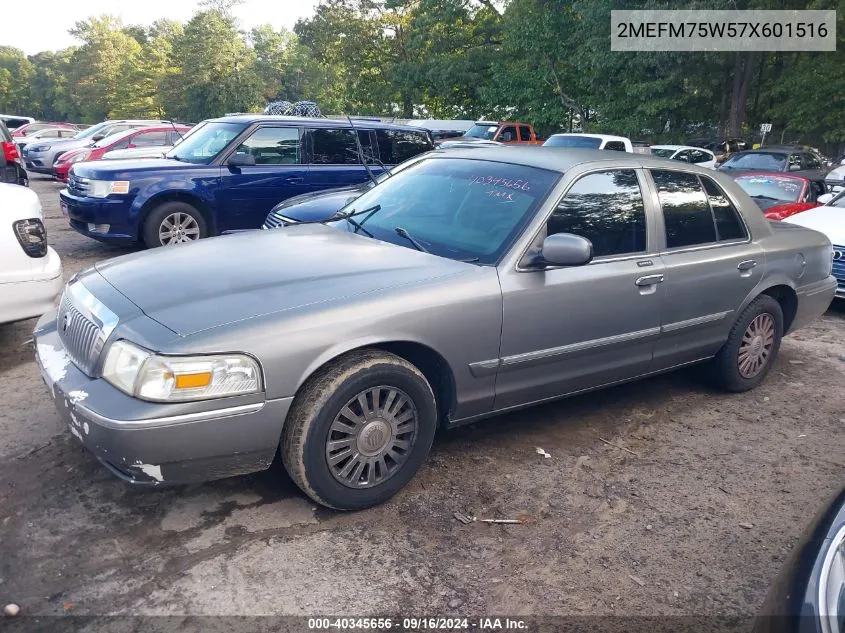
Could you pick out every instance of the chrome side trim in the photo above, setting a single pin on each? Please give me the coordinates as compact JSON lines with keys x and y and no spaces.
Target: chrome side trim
{"x":707,"y":318}
{"x":214,"y":414}
{"x":545,"y":355}
{"x":484,"y":368}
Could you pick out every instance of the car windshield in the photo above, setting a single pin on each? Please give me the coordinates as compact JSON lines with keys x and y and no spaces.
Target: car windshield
{"x":463,"y":209}
{"x":573,"y":141}
{"x":663,"y":153}
{"x":764,"y":161}
{"x":205,"y":142}
{"x":113,"y":138}
{"x":838,"y":201}
{"x":91,"y":131}
{"x":482,"y":131}
{"x":771,"y":187}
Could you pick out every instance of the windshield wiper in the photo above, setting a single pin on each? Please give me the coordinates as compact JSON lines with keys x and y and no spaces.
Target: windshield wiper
{"x":765,"y":198}
{"x":404,"y":233}
{"x":348,"y":217}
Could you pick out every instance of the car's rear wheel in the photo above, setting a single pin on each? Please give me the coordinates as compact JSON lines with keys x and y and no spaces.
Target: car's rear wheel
{"x":359,"y":430}
{"x":174,"y":222}
{"x":752,"y":346}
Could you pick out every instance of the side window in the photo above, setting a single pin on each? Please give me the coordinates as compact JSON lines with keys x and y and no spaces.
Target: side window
{"x":121,"y":145}
{"x":811,"y":162}
{"x":333,"y":146}
{"x":700,"y":157}
{"x":606,"y":208}
{"x":524,"y":133}
{"x":397,"y":146}
{"x":272,"y":146}
{"x":50,"y":134}
{"x":686,"y":212}
{"x":729,"y":226}
{"x":66,"y":133}
{"x":617,"y":146}
{"x":684,"y":156}
{"x":507,"y":134}
{"x":794,"y":162}
{"x":149,"y":139}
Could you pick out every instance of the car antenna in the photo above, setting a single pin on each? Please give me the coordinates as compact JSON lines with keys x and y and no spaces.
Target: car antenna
{"x":361,"y":156}
{"x":175,"y":129}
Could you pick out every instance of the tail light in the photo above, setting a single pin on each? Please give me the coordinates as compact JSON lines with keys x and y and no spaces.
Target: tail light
{"x":32,"y":236}
{"x":10,"y":151}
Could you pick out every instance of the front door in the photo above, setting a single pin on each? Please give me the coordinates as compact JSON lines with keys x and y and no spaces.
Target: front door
{"x":248,"y":192}
{"x":569,"y":329}
{"x":711,"y":266}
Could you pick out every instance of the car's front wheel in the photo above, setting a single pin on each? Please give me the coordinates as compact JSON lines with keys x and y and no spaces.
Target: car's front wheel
{"x":359,"y":430}
{"x":752,"y":346}
{"x":173,"y":222}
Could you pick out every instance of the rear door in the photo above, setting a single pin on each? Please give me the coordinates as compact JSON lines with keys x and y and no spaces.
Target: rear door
{"x":710,"y":261}
{"x":333,"y":157}
{"x":248,"y":192}
{"x":525,"y":134}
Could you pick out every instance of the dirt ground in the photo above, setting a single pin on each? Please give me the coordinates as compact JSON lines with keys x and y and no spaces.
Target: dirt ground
{"x":655,"y":531}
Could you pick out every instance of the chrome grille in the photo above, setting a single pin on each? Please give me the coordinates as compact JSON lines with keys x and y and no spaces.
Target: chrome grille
{"x":274,"y":221}
{"x":84,"y":324}
{"x":77,"y":186}
{"x":839,"y":265}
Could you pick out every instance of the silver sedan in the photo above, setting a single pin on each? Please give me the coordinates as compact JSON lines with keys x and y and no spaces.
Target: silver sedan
{"x":474,"y":282}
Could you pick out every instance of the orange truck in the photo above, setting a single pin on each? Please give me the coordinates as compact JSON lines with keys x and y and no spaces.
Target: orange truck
{"x":509,"y":132}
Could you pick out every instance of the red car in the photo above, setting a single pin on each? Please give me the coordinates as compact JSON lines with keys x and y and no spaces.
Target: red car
{"x":29,"y":128}
{"x":155,"y":135}
{"x":781,"y":195}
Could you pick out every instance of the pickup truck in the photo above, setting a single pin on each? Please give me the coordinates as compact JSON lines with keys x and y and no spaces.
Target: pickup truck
{"x":508,"y":132}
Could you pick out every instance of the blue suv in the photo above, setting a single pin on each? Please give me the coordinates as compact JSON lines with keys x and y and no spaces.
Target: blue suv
{"x":227,"y":174}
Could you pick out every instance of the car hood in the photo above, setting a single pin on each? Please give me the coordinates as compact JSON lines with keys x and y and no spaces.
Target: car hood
{"x":318,"y":205}
{"x":66,"y":144}
{"x":827,"y":220}
{"x":218,"y":281}
{"x":106,"y":169}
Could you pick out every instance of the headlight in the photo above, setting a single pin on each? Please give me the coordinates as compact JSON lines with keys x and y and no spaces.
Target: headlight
{"x":148,"y":376}
{"x":40,"y":148}
{"x":104,"y":188}
{"x":832,"y":586}
{"x":74,"y":158}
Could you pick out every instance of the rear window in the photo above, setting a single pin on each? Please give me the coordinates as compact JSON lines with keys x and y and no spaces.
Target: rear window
{"x":587,"y":142}
{"x":763,"y":161}
{"x":397,"y":146}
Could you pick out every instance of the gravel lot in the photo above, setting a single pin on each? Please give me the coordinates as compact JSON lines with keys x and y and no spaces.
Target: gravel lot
{"x":655,"y":531}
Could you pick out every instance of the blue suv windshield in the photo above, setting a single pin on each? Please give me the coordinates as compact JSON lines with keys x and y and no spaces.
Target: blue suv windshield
{"x":205,"y":142}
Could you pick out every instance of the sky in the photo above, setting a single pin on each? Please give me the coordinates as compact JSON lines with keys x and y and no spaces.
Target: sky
{"x":48,"y":29}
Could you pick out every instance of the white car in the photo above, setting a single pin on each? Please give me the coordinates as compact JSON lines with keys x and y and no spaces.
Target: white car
{"x":46,"y":134}
{"x":686,"y":154}
{"x":830,"y":220}
{"x":153,"y":151}
{"x":836,"y":178}
{"x":30,"y":271}
{"x":590,"y":141}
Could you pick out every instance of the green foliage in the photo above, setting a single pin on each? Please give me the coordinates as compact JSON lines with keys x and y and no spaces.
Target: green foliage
{"x":547,"y":62}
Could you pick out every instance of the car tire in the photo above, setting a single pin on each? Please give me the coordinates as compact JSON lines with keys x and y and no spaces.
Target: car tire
{"x":390,"y":447}
{"x":184,"y":221}
{"x":752,"y":346}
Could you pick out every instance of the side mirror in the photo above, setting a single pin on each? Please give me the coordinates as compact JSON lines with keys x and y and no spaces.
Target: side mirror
{"x":98,"y":137}
{"x":564,"y":249}
{"x":825,"y":198}
{"x":241,"y":159}
{"x":131,"y":146}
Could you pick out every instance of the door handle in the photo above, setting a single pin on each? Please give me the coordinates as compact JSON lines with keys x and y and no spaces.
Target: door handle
{"x":649,"y":280}
{"x":748,"y":264}
{"x":294,"y":179}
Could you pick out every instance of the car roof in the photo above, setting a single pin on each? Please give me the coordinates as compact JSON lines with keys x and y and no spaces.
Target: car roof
{"x":609,"y":137}
{"x":310,"y":122}
{"x":560,"y":159}
{"x":767,"y":150}
{"x":679,"y":147}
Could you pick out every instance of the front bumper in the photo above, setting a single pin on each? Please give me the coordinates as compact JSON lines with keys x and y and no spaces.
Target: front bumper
{"x":112,"y":212}
{"x":159,"y":443}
